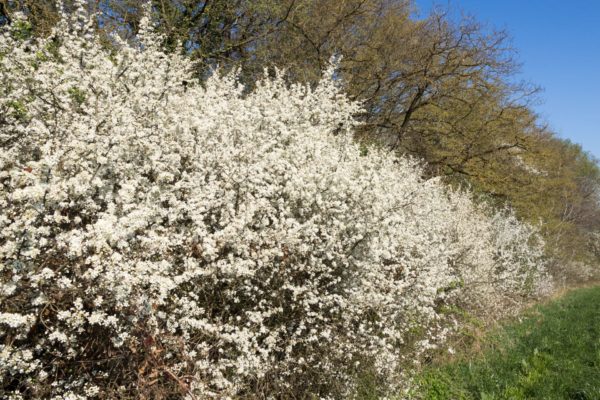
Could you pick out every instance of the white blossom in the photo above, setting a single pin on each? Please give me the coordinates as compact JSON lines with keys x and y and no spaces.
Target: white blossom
{"x":223,"y":238}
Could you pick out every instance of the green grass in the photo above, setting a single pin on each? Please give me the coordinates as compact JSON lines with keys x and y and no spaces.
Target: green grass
{"x":552,"y":353}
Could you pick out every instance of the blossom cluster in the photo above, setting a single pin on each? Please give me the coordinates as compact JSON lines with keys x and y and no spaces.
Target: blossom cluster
{"x":159,"y":234}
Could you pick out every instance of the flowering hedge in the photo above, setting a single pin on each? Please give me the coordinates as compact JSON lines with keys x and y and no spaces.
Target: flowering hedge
{"x":161,"y":236}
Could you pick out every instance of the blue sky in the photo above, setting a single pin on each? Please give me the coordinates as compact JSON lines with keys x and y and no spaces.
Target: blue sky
{"x":558,"y":45}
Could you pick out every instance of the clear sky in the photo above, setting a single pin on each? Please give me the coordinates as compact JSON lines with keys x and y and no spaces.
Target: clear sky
{"x":558,"y":43}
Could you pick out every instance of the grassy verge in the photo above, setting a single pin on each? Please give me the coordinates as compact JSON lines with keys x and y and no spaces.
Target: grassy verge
{"x":553,"y":352}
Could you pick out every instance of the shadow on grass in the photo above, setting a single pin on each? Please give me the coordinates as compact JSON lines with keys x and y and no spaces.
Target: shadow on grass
{"x":552,"y":353}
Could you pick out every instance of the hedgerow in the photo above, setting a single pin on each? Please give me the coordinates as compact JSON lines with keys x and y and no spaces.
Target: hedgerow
{"x":164,"y":237}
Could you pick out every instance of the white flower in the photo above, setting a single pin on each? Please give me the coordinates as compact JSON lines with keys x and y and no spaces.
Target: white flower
{"x":229,"y":235}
